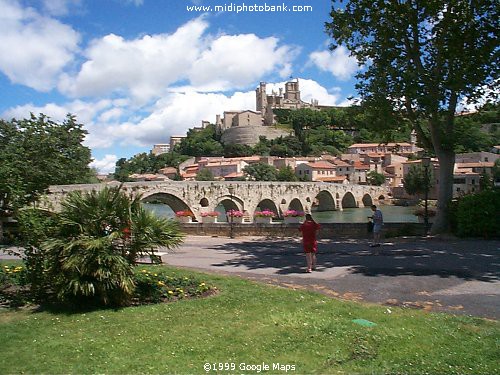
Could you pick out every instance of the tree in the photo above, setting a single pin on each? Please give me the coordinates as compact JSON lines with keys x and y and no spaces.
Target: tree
{"x":375,"y":178}
{"x":36,"y":153}
{"x":286,"y":174}
{"x":416,"y":181}
{"x":420,"y":59}
{"x":202,"y":142}
{"x":236,"y":150}
{"x":99,"y":237}
{"x":261,"y":172}
{"x":285,"y":147}
{"x":205,"y":175}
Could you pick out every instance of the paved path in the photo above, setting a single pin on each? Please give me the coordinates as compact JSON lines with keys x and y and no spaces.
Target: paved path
{"x":459,"y":276}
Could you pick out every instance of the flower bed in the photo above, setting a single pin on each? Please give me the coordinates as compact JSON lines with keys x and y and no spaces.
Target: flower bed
{"x":185,"y":213}
{"x":293,"y":213}
{"x":234,"y":213}
{"x":210,"y":214}
{"x":264,"y":213}
{"x":153,"y":286}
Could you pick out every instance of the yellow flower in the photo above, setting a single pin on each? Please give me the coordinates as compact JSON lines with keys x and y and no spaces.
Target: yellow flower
{"x":161,"y":283}
{"x":170,"y":292}
{"x":202,"y":284}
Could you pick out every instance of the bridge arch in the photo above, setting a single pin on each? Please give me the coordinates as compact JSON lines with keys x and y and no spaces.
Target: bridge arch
{"x":348,"y":200}
{"x":296,"y":204}
{"x":171,"y":200}
{"x":230,"y":204}
{"x":266,"y":204}
{"x":367,"y":200}
{"x":324,"y":201}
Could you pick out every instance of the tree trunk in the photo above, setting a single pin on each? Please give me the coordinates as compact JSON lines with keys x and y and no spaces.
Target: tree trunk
{"x":445,"y":190}
{"x":1,"y":230}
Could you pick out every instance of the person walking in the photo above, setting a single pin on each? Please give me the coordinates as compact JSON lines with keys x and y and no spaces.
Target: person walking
{"x":310,"y":229}
{"x":378,"y":222}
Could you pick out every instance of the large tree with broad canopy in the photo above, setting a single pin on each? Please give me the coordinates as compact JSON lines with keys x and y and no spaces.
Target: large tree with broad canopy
{"x":420,"y":59}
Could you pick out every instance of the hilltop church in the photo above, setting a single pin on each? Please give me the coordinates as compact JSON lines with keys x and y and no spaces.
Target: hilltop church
{"x":245,"y":127}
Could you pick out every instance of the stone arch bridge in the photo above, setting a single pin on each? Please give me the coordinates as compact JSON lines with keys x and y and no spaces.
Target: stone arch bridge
{"x":249,"y":196}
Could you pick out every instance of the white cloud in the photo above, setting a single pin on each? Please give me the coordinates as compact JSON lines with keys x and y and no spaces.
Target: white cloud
{"x":339,"y":62}
{"x":142,"y":67}
{"x":176,"y":113}
{"x":34,"y":49}
{"x":135,"y":2}
{"x":106,"y":164}
{"x":60,"y":7}
{"x":147,"y":67}
{"x":235,"y":61}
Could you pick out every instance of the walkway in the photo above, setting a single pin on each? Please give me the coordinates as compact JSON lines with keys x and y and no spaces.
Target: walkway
{"x":458,"y":276}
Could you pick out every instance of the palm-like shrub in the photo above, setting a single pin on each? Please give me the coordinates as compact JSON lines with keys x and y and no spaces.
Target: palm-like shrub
{"x":100,"y":236}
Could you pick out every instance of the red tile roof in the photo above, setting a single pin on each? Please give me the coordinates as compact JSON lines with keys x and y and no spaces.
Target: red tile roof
{"x":321,"y":165}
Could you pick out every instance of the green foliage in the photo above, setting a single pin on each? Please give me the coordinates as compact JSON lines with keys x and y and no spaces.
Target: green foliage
{"x":38,"y":152}
{"x":469,"y":135}
{"x":477,"y":215}
{"x":286,"y":174}
{"x":204,"y":142}
{"x":416,"y":180}
{"x":375,"y":178}
{"x":234,"y":150}
{"x":13,"y":291}
{"x":261,"y":172}
{"x":35,"y":227}
{"x":288,"y":146}
{"x":204,"y":175}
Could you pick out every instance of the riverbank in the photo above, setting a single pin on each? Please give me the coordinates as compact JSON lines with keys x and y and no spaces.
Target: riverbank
{"x":281,"y":230}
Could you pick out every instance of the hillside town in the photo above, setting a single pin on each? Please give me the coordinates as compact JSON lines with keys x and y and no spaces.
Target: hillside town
{"x":393,"y":160}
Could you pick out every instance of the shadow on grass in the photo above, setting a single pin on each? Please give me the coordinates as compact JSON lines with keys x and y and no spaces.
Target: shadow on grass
{"x":465,"y":259}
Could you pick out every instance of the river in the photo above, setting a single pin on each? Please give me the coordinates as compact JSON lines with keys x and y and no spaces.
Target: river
{"x":395,"y":214}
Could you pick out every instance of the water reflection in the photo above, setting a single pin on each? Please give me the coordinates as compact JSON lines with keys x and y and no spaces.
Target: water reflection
{"x":396,"y":214}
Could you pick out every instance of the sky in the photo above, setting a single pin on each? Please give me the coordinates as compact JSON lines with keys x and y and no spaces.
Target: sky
{"x":135,"y":72}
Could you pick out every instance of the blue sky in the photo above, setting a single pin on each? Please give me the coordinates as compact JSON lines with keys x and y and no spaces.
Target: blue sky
{"x":135,"y":72}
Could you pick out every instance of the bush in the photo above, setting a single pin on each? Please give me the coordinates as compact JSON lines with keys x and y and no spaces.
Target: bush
{"x":35,"y":227}
{"x":477,"y":215}
{"x":86,"y":253}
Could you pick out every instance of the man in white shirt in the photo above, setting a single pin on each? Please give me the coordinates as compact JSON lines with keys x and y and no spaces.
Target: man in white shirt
{"x":378,"y":222}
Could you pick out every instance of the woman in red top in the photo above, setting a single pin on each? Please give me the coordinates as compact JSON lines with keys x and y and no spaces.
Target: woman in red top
{"x":310,"y":229}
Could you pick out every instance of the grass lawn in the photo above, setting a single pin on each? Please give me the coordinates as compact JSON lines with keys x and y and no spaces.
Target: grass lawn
{"x":252,"y":324}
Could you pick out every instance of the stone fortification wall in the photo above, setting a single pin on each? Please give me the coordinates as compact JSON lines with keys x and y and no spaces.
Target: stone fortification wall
{"x":249,"y":135}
